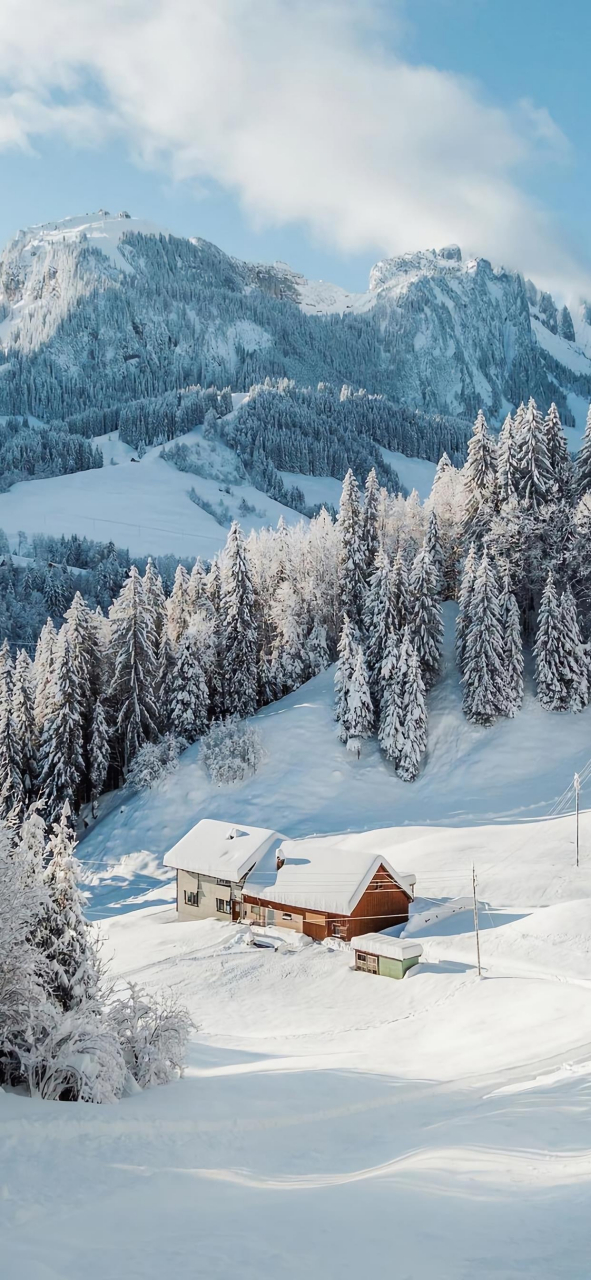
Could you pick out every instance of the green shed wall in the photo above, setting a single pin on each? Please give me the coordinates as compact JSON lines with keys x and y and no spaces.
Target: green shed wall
{"x":389,"y":968}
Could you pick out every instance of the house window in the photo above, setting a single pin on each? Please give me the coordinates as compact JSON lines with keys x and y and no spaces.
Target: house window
{"x":226,"y":883}
{"x":223,"y":906}
{"x":286,"y":916}
{"x":361,"y":957}
{"x":191,"y":899}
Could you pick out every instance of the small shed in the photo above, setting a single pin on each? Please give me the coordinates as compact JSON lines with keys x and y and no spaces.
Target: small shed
{"x":387,"y":956}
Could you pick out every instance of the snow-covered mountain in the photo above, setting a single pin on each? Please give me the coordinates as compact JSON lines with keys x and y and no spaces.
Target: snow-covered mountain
{"x":100,"y":309}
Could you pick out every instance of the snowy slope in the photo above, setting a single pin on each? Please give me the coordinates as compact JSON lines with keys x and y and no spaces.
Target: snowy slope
{"x":143,"y":506}
{"x":325,"y":1113}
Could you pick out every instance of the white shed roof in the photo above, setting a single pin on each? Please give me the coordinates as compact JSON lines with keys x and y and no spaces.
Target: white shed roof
{"x":223,"y":849}
{"x":383,"y":944}
{"x":321,"y":874}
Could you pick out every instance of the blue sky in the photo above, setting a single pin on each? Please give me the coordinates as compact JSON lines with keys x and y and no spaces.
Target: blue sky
{"x":510,"y":105}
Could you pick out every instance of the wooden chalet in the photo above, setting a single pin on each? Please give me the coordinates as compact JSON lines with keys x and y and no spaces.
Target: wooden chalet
{"x":327,"y":887}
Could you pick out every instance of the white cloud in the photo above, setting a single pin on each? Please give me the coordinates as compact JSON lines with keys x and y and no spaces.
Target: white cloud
{"x":297,"y":106}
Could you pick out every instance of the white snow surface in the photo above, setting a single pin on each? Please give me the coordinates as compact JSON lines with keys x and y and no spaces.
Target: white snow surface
{"x":143,"y":505}
{"x":383,"y":944}
{"x":102,"y":230}
{"x":330,"y":874}
{"x":332,"y":1123}
{"x":220,"y":849}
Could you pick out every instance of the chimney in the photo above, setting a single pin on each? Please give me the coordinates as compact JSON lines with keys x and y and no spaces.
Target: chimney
{"x":280,"y":860}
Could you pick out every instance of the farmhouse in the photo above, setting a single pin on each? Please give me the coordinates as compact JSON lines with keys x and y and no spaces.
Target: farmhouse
{"x":212,"y":862}
{"x":326,"y":887}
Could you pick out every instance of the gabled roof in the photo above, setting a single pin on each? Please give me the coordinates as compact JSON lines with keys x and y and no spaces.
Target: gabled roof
{"x":383,"y":944}
{"x":321,"y":874}
{"x":223,"y":849}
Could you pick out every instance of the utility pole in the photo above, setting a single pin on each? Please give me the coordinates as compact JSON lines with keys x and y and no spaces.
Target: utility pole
{"x":577,"y":786}
{"x":476,"y":920}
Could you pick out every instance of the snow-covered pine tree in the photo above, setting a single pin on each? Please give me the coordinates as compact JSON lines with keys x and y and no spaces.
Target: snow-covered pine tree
{"x":61,"y":759}
{"x":426,"y":623}
{"x":351,"y":564}
{"x":65,"y":939}
{"x":399,"y":593}
{"x":513,"y":647}
{"x":178,"y":605}
{"x":83,"y":633}
{"x":394,"y":672}
{"x":238,"y":628}
{"x":44,"y":666}
{"x":480,"y":471}
{"x":434,"y":547}
{"x":189,"y":697}
{"x":133,"y":684}
{"x":583,"y":460}
{"x":359,"y":713}
{"x":155,"y":601}
{"x":369,"y":521}
{"x":317,"y":654}
{"x":12,"y":793}
{"x":484,"y":654}
{"x":508,"y":477}
{"x":575,"y":664}
{"x":548,"y":649}
{"x":558,"y":453}
{"x":464,"y":604}
{"x":23,"y":718}
{"x":197,"y":586}
{"x":347,"y":657}
{"x":379,"y":621}
{"x":289,"y":651}
{"x":413,"y":720}
{"x":100,"y":752}
{"x":536,"y":480}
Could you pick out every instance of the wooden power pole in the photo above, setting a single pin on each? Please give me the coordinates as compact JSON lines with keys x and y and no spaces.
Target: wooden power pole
{"x":476,"y":930}
{"x":577,"y":786}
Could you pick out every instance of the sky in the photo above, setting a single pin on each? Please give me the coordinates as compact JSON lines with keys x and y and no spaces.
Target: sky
{"x":326,"y":133}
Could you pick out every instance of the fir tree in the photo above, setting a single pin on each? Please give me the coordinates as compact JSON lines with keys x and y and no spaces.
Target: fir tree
{"x":369,"y":521}
{"x":536,"y":481}
{"x":484,"y":654}
{"x":87,"y":660}
{"x":12,"y":790}
{"x":189,"y":697}
{"x":464,"y":604}
{"x":583,"y":461}
{"x":575,"y":661}
{"x":413,"y":720}
{"x":155,"y":602}
{"x":426,"y":623}
{"x":399,"y":593}
{"x":239,"y":628}
{"x":379,"y":620}
{"x":434,"y":548}
{"x":23,"y":717}
{"x":508,"y":477}
{"x":512,"y":647}
{"x":61,"y":760}
{"x":480,"y":470}
{"x":99,"y":752}
{"x":558,"y":454}
{"x":64,"y":937}
{"x":352,"y":562}
{"x":44,"y":666}
{"x":133,"y":684}
{"x":548,"y":649}
{"x":347,"y":657}
{"x":197,"y":586}
{"x":178,"y":607}
{"x":358,"y":715}
{"x":164,"y":677}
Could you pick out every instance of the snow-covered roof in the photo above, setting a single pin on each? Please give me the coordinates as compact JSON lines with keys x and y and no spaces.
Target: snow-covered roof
{"x":222,"y":849}
{"x":321,"y":874}
{"x":382,"y":944}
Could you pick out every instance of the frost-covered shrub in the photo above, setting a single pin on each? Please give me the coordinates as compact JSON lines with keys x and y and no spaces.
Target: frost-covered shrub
{"x":152,"y":1034}
{"x":154,"y":761}
{"x":231,"y":751}
{"x":73,"y":1057}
